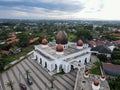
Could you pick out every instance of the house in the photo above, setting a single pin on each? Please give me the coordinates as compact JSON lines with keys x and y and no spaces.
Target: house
{"x":101,"y":50}
{"x":117,"y":42}
{"x":4,"y":52}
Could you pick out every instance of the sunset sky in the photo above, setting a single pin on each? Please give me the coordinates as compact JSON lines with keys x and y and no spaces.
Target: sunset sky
{"x":60,"y":9}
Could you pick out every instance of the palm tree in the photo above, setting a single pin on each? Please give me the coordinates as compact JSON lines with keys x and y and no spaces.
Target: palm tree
{"x":10,"y":84}
{"x":27,"y":73}
{"x":52,"y":80}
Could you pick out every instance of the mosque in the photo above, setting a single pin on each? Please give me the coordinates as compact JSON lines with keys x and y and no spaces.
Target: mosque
{"x":61,"y":54}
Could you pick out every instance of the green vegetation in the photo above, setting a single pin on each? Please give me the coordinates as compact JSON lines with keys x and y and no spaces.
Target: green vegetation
{"x":23,"y":39}
{"x":2,"y":62}
{"x":115,"y":57}
{"x":114,"y":83}
{"x":71,"y":37}
{"x":6,"y":59}
{"x":18,"y":55}
{"x":102,"y":57}
{"x":84,"y":34}
{"x":116,"y":53}
{"x":117,"y":62}
{"x":96,"y":68}
{"x":60,"y":73}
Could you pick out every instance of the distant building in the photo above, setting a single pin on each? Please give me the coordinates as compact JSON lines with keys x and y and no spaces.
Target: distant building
{"x":2,"y":41}
{"x":101,"y":50}
{"x":117,"y":42}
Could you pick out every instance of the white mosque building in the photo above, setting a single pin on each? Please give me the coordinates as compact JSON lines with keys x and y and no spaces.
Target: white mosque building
{"x":62,"y":55}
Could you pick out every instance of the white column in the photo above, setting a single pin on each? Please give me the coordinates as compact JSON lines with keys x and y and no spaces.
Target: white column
{"x":49,"y":66}
{"x":58,"y":66}
{"x":38,"y":60}
{"x":52,"y":66}
{"x":43,"y":63}
{"x":69,"y":68}
{"x":66,"y":69}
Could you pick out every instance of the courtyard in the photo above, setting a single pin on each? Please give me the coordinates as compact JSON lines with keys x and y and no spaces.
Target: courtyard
{"x":39,"y":76}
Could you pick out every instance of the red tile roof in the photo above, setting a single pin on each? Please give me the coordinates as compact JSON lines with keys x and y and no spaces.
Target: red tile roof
{"x":4,"y":52}
{"x":33,"y":40}
{"x":12,"y":41}
{"x":117,"y":41}
{"x":12,"y":38}
{"x":117,"y":35}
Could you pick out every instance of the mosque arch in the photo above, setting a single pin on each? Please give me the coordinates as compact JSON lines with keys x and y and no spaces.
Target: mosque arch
{"x":45,"y":64}
{"x":55,"y":66}
{"x":72,"y":67}
{"x":40,"y":60}
{"x":85,"y":61}
{"x":36,"y":58}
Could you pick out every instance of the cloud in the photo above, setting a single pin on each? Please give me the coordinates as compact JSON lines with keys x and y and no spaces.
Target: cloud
{"x":11,"y":0}
{"x":60,"y":9}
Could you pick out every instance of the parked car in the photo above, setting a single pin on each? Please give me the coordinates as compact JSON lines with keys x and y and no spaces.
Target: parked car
{"x":29,"y":81}
{"x":23,"y":86}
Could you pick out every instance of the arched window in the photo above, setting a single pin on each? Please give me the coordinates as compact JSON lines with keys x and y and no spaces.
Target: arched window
{"x":40,"y":61}
{"x":36,"y":58}
{"x":85,"y":60}
{"x":45,"y":64}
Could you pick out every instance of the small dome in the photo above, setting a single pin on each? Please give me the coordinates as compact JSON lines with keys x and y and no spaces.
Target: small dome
{"x":86,"y":73}
{"x":59,"y":48}
{"x":79,"y":43}
{"x":61,"y":37}
{"x":44,"y":42}
{"x":96,"y":82}
{"x":102,"y":76}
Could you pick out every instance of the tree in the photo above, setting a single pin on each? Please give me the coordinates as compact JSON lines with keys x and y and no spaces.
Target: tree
{"x":2,"y":62}
{"x":83,"y":34}
{"x":114,"y":83}
{"x":10,"y":84}
{"x":51,"y":81}
{"x":102,"y":57}
{"x":116,"y":53}
{"x":23,"y":39}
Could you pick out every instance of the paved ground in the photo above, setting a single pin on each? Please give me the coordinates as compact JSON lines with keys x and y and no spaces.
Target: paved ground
{"x":93,"y":60}
{"x":39,"y":75}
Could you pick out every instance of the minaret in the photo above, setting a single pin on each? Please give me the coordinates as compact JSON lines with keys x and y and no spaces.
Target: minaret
{"x":95,"y":85}
{"x":86,"y":74}
{"x":102,"y":77}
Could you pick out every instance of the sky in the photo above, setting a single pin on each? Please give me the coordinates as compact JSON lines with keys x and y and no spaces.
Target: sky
{"x":60,"y":9}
